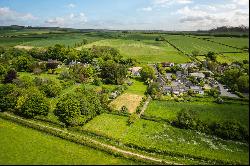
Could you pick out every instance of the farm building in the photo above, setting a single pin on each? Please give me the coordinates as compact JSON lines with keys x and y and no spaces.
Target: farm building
{"x":197,"y":89}
{"x":135,"y":71}
{"x":197,"y":75}
{"x":167,"y":64}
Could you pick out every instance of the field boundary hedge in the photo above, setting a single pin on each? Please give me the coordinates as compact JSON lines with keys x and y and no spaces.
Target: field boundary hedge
{"x":83,"y":140}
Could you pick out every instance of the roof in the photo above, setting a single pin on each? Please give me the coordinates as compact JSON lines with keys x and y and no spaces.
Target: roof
{"x":200,"y":75}
{"x":195,"y":87}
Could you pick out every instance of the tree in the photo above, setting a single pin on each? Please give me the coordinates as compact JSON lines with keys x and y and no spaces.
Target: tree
{"x":81,"y":73}
{"x":174,"y":77}
{"x":147,"y":72}
{"x":10,"y":76}
{"x":187,"y":119}
{"x":8,"y":96}
{"x":32,"y":103}
{"x":51,"y":89}
{"x":132,"y":118}
{"x":114,"y":73}
{"x":243,"y":83}
{"x":77,"y":108}
{"x":211,"y":56}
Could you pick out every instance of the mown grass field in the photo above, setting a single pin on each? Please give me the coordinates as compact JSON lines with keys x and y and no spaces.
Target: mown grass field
{"x":206,"y":111}
{"x":154,"y":135}
{"x":20,"y":145}
{"x":189,"y":44}
{"x":232,"y":57}
{"x":145,"y":51}
{"x":231,"y":41}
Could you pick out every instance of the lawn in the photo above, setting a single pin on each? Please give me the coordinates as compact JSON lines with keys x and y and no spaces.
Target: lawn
{"x":207,"y":111}
{"x":20,"y":145}
{"x":154,"y":135}
{"x":189,"y":44}
{"x":232,"y":57}
{"x":131,"y":98}
{"x":146,"y":51}
{"x":131,"y":101}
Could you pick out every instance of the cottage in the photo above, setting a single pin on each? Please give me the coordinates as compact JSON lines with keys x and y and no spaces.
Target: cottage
{"x":168,"y":76}
{"x":113,"y":95}
{"x":176,"y":90}
{"x":167,"y":89}
{"x":178,"y":74}
{"x":167,"y":64}
{"x":197,"y":89}
{"x":197,"y":75}
{"x":135,"y":71}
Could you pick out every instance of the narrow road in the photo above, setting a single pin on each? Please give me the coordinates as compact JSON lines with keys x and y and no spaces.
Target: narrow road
{"x":145,"y":106}
{"x":95,"y":142}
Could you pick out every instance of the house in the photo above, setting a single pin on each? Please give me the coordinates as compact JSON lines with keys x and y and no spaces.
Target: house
{"x":114,"y":94}
{"x":168,"y":76}
{"x":178,"y":74}
{"x":197,"y":75}
{"x":185,"y":66}
{"x":166,"y":89}
{"x":176,"y":90}
{"x":167,"y":64}
{"x":135,"y":71}
{"x":197,"y":89}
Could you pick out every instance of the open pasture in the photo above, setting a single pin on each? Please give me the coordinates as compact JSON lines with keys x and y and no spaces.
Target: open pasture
{"x":148,"y":51}
{"x":159,"y":136}
{"x":189,"y":44}
{"x":207,"y":111}
{"x":232,"y":57}
{"x":21,"y":145}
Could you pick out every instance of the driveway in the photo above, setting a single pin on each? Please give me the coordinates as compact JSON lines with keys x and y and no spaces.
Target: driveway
{"x":226,"y":93}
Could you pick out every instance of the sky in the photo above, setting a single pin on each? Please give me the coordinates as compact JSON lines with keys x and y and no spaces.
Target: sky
{"x":126,"y":14}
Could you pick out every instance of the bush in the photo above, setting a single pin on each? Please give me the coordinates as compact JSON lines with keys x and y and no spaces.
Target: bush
{"x":132,"y":118}
{"x":124,"y":109}
{"x":77,"y":108}
{"x":32,"y":103}
{"x":8,"y":97}
{"x":10,"y":76}
{"x":51,"y":89}
{"x":186,"y":119}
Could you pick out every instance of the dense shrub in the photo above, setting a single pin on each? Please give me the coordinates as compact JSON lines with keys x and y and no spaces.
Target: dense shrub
{"x":51,"y":89}
{"x":78,"y":107}
{"x":187,"y":119}
{"x":8,"y":97}
{"x":10,"y":76}
{"x":32,"y":103}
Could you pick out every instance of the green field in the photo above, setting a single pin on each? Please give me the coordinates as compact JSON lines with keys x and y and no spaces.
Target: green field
{"x":137,"y":87}
{"x":154,"y":135}
{"x":189,"y":44}
{"x":232,"y":57}
{"x":146,"y":51}
{"x":231,"y":41}
{"x":20,"y":145}
{"x":207,"y":111}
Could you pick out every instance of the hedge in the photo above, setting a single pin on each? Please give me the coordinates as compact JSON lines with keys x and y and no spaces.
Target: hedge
{"x":83,"y":140}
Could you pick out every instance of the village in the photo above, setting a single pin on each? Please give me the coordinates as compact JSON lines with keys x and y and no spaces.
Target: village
{"x":187,"y":78}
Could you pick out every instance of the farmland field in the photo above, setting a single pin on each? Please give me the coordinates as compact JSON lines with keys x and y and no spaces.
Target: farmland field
{"x":146,"y":51}
{"x":231,"y":41}
{"x":20,"y":145}
{"x":232,"y":57}
{"x":207,"y":111}
{"x":149,"y":134}
{"x":189,"y":44}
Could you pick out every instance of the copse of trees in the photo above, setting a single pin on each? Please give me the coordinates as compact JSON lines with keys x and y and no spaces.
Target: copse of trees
{"x":77,"y":108}
{"x":147,"y":73}
{"x":113,"y":73}
{"x":32,"y":103}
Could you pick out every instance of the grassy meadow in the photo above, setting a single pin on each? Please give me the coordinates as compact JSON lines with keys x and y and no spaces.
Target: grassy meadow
{"x":146,"y":51}
{"x":232,"y":57}
{"x":207,"y":111}
{"x":189,"y":44}
{"x":154,"y":135}
{"x":21,"y":145}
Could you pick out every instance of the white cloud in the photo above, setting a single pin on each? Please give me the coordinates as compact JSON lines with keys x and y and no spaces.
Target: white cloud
{"x":71,"y":5}
{"x":206,"y":17}
{"x":8,"y":15}
{"x":164,"y":3}
{"x":241,"y":2}
{"x":146,"y":9}
{"x":71,"y":20}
